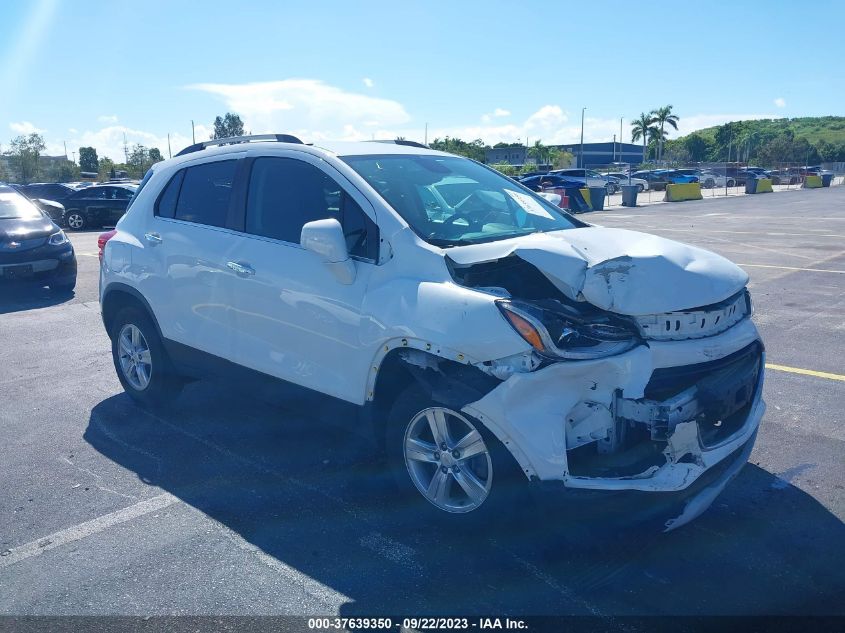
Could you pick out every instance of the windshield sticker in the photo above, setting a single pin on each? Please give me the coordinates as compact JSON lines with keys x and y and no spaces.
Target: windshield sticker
{"x":529,"y":204}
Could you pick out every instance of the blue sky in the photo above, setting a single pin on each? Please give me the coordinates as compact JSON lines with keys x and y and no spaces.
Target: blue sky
{"x":87,"y":73}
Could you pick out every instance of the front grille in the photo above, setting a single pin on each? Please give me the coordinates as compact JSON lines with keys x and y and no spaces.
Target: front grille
{"x":16,"y":245}
{"x":697,"y":323}
{"x":727,"y":388}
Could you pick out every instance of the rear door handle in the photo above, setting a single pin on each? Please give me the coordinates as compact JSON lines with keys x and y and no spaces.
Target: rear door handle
{"x":242,"y":269}
{"x":153,"y":238}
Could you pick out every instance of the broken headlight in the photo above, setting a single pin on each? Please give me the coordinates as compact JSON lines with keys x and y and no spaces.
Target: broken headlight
{"x":558,"y":330}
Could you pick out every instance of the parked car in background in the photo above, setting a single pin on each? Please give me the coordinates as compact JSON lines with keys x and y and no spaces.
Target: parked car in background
{"x":32,"y":247}
{"x":711,"y":179}
{"x":676,"y":177}
{"x":655,"y":180}
{"x":622,"y":179}
{"x":592,"y":178}
{"x":54,"y":209}
{"x":785,"y":177}
{"x":514,"y":345}
{"x":55,"y":191}
{"x":548,"y":181}
{"x":97,"y":206}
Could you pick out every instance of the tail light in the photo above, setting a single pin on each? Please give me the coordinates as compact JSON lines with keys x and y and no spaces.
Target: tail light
{"x":101,"y":242}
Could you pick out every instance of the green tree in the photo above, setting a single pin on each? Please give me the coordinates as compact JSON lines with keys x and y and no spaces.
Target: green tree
{"x":641,"y":129}
{"x":155,"y":155}
{"x":228,"y":126}
{"x":697,"y":146}
{"x":538,"y":152}
{"x":88,"y":159}
{"x":472,"y":149}
{"x":24,"y":152}
{"x":105,"y":167}
{"x":506,"y":168}
{"x":662,"y":117}
{"x":63,"y":171}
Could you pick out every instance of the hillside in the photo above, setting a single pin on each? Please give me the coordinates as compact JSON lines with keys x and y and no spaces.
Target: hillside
{"x":814,"y":129}
{"x":769,"y":141}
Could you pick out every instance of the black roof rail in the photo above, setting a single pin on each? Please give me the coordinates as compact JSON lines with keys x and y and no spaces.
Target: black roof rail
{"x":279,"y":138}
{"x":404,"y":142}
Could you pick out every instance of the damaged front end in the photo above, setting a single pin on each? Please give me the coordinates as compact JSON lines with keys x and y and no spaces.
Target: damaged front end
{"x":626,"y":402}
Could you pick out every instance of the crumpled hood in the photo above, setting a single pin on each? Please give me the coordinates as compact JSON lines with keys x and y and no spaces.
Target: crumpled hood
{"x":622,"y":271}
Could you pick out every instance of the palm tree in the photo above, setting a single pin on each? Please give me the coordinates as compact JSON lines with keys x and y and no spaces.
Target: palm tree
{"x":656,"y":136}
{"x":662,"y":116}
{"x":641,"y":129}
{"x":537,"y":151}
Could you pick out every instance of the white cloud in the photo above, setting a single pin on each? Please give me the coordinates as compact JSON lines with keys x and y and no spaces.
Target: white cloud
{"x":25,"y":127}
{"x":107,"y":118}
{"x":497,"y":113}
{"x":73,"y":130}
{"x":306,"y":107}
{"x":368,"y":82}
{"x":780,"y":102}
{"x":108,"y":141}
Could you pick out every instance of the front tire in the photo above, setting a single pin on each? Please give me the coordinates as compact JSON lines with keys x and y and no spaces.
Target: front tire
{"x":142,"y":364}
{"x":447,"y":464}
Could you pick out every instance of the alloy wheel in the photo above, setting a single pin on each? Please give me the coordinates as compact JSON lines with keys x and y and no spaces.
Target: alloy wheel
{"x":134,"y":354}
{"x":75,"y":221}
{"x":448,"y":460}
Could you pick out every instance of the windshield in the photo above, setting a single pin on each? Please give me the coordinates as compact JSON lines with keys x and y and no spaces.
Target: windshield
{"x":450,"y":201}
{"x":16,"y":206}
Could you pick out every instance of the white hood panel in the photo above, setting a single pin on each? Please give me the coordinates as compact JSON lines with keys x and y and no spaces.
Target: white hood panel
{"x":618,"y":270}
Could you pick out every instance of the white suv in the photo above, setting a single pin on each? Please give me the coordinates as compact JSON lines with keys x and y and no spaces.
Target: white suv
{"x":488,"y":336}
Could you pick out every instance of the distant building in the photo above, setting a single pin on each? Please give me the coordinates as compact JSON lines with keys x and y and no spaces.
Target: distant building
{"x":594,"y":154}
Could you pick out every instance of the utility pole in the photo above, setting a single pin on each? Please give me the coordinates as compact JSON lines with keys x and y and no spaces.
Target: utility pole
{"x":584,"y":109}
{"x":614,"y":148}
{"x":169,"y":153}
{"x":125,"y":150}
{"x":74,"y":156}
{"x":65,"y":144}
{"x":426,"y":134}
{"x":193,"y":135}
{"x":620,"y":140}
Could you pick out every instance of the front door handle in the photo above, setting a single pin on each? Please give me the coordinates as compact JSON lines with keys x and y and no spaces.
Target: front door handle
{"x":153,"y":238}
{"x":242,"y":269}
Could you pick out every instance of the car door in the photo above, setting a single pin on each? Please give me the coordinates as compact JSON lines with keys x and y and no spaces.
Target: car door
{"x":294,"y":319}
{"x":91,"y":202}
{"x":186,"y":246}
{"x":119,"y":199}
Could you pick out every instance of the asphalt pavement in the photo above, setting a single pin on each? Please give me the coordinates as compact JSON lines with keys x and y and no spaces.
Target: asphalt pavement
{"x":241,"y":503}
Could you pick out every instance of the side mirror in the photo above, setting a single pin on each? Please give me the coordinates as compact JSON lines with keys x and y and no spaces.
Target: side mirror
{"x":325,"y":239}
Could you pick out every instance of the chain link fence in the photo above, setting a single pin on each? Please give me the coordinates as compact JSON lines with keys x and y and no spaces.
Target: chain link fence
{"x":715,"y":179}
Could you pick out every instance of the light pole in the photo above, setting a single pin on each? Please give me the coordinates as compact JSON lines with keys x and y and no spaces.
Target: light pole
{"x":584,"y":109}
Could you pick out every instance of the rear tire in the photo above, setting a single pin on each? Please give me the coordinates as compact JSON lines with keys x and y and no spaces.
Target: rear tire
{"x":447,"y":486}
{"x":141,"y":362}
{"x":75,"y":221}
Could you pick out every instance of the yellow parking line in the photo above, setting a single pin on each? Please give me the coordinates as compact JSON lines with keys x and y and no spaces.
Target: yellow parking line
{"x":808,"y":270}
{"x":806,"y":372}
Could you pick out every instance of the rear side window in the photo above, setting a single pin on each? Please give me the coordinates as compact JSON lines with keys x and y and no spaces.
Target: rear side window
{"x":285,"y":194}
{"x":205,"y":193}
{"x":166,"y":205}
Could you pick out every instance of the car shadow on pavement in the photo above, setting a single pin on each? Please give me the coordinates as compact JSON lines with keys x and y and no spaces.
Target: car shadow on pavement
{"x":288,"y":479}
{"x":17,"y":297}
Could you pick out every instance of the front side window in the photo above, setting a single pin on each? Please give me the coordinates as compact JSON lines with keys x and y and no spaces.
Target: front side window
{"x":285,"y":194}
{"x":205,"y":193}
{"x":472,"y":203}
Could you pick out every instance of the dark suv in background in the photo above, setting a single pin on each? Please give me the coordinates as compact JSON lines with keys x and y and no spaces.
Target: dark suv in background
{"x":100,"y":205}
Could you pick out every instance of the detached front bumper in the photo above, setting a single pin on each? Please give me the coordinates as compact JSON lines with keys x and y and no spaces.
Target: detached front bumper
{"x":552,"y":418}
